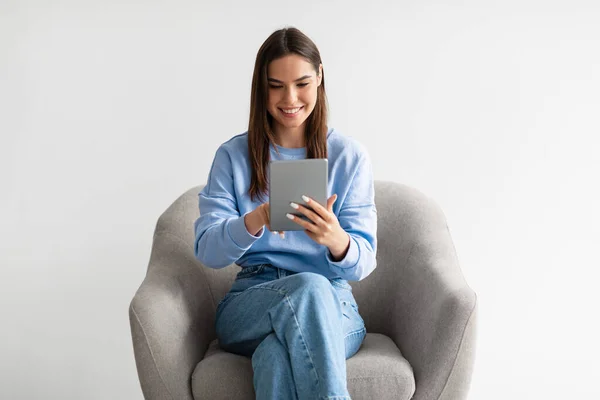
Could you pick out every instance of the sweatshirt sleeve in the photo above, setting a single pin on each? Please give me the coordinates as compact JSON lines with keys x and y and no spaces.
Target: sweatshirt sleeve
{"x":221,"y":234}
{"x":358,"y":217}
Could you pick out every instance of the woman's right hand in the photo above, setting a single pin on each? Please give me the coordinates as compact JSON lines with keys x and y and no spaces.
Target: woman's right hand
{"x":258,"y":218}
{"x":264,"y":209}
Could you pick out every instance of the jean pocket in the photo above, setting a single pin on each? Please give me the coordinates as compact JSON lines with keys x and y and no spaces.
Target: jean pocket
{"x":350,"y":308}
{"x":249,"y":272}
{"x":354,"y":320}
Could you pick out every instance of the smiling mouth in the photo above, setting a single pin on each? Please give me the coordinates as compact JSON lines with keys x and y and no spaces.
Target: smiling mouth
{"x":287,"y":111}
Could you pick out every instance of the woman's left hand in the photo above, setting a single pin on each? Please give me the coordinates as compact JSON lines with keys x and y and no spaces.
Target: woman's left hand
{"x":323,"y":227}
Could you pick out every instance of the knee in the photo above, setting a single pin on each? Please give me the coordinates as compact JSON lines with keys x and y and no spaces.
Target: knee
{"x":311,"y":282}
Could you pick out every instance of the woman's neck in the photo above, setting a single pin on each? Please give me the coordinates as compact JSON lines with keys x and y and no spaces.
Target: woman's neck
{"x":291,"y":138}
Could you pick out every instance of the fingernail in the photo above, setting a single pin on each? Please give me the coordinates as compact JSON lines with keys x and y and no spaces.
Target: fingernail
{"x":306,"y":199}
{"x":290,"y":216}
{"x":294,"y":205}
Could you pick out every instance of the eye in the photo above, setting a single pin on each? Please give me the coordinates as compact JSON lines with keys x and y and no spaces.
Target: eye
{"x":279,"y":87}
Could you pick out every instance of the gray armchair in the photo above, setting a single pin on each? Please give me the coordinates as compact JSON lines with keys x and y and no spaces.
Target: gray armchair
{"x":419,"y":311}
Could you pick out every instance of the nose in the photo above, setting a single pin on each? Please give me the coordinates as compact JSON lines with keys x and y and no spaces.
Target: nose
{"x":290,"y":96}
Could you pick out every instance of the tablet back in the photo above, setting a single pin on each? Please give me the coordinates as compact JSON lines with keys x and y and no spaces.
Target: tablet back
{"x":289,"y":180}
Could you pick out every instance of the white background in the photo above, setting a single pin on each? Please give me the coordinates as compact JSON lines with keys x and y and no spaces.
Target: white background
{"x":112,"y":109}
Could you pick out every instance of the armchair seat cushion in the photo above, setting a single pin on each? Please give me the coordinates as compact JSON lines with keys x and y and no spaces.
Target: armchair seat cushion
{"x":377,"y":371}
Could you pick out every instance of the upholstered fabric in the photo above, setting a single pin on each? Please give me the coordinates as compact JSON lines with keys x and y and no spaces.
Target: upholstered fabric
{"x":375,"y":372}
{"x":419,"y":311}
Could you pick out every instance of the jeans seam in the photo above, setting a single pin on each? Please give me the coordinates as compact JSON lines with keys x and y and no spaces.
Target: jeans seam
{"x":301,"y":336}
{"x":259,"y":269}
{"x":356,"y":332}
{"x":334,"y":283}
{"x":260,"y":286}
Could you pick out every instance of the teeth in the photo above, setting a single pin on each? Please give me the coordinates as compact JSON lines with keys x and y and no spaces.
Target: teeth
{"x":293,"y":111}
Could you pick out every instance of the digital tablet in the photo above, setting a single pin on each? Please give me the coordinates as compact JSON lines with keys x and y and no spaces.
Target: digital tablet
{"x":288,"y":181}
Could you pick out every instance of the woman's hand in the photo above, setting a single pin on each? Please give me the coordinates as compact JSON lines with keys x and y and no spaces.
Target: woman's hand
{"x":258,"y":218}
{"x":323,"y":227}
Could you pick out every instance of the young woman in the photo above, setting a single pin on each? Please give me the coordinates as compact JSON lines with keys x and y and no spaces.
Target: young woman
{"x":290,"y":308}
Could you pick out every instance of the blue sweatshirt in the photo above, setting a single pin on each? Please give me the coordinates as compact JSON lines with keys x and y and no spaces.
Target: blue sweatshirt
{"x":221,"y":234}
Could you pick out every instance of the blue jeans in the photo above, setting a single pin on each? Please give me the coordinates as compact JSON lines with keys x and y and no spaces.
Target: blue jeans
{"x":299,"y":329}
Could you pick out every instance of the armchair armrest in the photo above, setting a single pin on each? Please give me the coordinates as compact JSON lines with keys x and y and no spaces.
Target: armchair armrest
{"x":172,"y":319}
{"x":434,"y":308}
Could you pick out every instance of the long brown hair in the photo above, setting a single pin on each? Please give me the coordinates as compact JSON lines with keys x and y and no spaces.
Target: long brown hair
{"x":260,"y":131}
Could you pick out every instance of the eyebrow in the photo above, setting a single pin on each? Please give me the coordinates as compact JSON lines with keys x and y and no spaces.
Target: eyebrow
{"x":278,"y":81}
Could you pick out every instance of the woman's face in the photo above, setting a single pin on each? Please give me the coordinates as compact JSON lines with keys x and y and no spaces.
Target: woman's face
{"x":293,"y":84}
